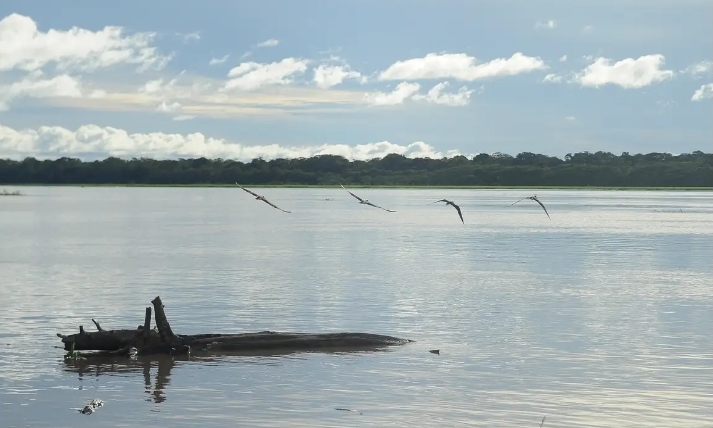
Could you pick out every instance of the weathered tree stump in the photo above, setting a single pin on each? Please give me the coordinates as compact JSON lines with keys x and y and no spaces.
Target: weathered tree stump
{"x":162,"y":340}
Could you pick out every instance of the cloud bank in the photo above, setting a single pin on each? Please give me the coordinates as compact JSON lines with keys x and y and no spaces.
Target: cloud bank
{"x":90,"y":142}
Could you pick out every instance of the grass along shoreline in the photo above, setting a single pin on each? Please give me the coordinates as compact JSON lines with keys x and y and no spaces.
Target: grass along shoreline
{"x":362,"y":186}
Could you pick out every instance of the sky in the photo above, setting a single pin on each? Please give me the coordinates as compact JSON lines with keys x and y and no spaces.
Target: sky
{"x":361,"y":79}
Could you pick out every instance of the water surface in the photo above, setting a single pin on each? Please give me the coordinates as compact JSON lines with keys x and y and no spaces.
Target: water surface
{"x":599,"y":317}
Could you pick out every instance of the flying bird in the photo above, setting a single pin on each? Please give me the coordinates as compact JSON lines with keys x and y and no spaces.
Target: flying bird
{"x":261,"y":198}
{"x":534,"y":198}
{"x":454,"y":206}
{"x":366,"y":202}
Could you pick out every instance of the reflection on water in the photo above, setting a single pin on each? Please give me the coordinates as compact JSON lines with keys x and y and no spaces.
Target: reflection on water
{"x":115,"y":366}
{"x":163,"y":365}
{"x":598,"y":317}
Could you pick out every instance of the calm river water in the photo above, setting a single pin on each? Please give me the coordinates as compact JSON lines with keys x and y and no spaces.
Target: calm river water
{"x":599,"y":317}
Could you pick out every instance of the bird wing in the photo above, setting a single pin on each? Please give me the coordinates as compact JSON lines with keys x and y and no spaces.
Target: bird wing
{"x":459,"y":213}
{"x":252,"y":193}
{"x":274,"y":206}
{"x":360,"y":199}
{"x":374,"y":205}
{"x":518,"y":201}
{"x":543,"y":207}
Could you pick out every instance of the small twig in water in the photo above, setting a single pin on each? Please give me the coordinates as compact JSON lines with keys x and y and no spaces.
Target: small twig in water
{"x":347,"y":410}
{"x":72,"y":354}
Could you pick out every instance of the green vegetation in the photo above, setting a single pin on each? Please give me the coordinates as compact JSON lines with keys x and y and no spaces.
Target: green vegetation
{"x":582,"y":170}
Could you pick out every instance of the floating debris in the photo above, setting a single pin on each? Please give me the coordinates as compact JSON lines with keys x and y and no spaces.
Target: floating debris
{"x":133,"y":352}
{"x":91,"y":407}
{"x":344,"y":409}
{"x":435,"y":351}
{"x":6,"y":193}
{"x":96,"y":403}
{"x":87,"y":410}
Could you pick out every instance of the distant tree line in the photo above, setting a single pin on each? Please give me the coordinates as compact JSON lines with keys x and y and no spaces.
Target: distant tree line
{"x":498,"y":169}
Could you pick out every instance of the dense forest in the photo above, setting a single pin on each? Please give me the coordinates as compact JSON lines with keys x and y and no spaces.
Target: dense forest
{"x":599,"y":169}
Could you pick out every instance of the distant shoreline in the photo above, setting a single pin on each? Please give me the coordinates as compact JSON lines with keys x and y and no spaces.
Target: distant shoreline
{"x":360,"y":186}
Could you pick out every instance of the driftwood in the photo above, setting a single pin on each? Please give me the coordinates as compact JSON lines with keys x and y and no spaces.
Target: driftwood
{"x":162,"y":340}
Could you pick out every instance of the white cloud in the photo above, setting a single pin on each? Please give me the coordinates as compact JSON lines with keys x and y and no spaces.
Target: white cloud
{"x":34,"y":86}
{"x":570,"y":118}
{"x":628,"y":73}
{"x":460,"y":67}
{"x":436,"y":96}
{"x":92,"y":142}
{"x":698,"y":69}
{"x":252,"y":75}
{"x":563,"y":58}
{"x":665,"y":103}
{"x":168,"y":108}
{"x":326,"y":76}
{"x":268,"y":43}
{"x":547,"y":25}
{"x":552,"y":78}
{"x":23,"y":46}
{"x":157,"y":86}
{"x":174,"y":107}
{"x":399,"y":95}
{"x":152,"y":86}
{"x":194,"y":36}
{"x":214,"y":61}
{"x":204,"y":97}
{"x":97,"y":93}
{"x":702,"y":93}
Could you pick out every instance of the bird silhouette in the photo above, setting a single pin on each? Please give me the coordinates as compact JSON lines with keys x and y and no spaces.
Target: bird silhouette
{"x":365,"y":201}
{"x":262,"y":198}
{"x":534,"y":198}
{"x":454,"y":206}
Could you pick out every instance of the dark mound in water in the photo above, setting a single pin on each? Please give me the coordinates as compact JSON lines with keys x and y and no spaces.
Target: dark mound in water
{"x":161,"y":340}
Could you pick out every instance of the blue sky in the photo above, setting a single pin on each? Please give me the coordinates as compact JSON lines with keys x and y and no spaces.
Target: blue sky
{"x":361,"y":79}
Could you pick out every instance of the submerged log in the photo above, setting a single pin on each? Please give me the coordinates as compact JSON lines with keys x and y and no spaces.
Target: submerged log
{"x":162,"y":340}
{"x":106,"y":340}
